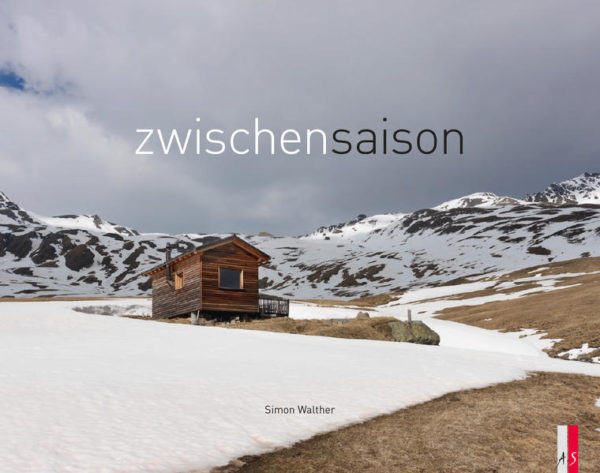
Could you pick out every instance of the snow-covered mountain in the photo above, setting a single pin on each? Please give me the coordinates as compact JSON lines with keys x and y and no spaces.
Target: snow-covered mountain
{"x":479,"y":199}
{"x":583,"y":189}
{"x":86,"y":255}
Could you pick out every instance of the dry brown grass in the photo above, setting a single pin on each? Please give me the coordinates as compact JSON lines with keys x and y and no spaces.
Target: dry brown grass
{"x":482,"y":293}
{"x":330,"y":302}
{"x":375,"y":328}
{"x":571,"y":314}
{"x":377,"y":299}
{"x":506,"y":428}
{"x":581,"y":265}
{"x":578,"y":265}
{"x":364,"y":303}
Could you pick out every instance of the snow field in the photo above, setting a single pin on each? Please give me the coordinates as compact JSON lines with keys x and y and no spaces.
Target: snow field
{"x":91,"y":393}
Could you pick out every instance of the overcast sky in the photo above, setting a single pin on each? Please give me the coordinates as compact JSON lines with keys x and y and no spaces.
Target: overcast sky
{"x":519,"y":79}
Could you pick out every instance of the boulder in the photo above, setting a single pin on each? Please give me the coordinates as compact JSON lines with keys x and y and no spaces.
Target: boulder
{"x":363,"y":315}
{"x":413,"y":332}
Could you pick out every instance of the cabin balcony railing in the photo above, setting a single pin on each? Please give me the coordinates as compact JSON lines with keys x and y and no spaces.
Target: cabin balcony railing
{"x":273,"y":306}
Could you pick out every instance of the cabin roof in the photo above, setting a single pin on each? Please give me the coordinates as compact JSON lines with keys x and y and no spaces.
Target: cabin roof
{"x":261,"y":256}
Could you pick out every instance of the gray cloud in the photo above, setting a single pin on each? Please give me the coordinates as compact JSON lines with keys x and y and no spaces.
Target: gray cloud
{"x":520,"y":80}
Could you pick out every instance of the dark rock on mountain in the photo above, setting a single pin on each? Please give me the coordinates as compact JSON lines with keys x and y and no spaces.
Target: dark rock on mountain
{"x":23,"y":271}
{"x":79,"y":257}
{"x":338,"y":226}
{"x":18,"y":245}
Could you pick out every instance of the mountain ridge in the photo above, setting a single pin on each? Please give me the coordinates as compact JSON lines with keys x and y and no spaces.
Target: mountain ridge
{"x":474,"y":234}
{"x":583,"y":189}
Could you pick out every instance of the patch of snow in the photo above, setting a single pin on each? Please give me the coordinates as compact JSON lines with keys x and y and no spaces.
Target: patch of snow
{"x":434,"y":306}
{"x":457,"y":335}
{"x":479,"y":200}
{"x":441,"y":291}
{"x":505,"y":285}
{"x":534,"y":337}
{"x":91,"y":223}
{"x":116,"y":310}
{"x":553,"y":278}
{"x":300,"y":310}
{"x":574,"y":353}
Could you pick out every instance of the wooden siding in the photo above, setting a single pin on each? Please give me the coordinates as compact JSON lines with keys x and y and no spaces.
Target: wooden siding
{"x":229,"y":300}
{"x":201,"y":290}
{"x":170,"y":302}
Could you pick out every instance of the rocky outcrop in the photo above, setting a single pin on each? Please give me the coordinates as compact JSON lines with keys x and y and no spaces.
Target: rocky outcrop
{"x":583,"y":189}
{"x":79,"y":257}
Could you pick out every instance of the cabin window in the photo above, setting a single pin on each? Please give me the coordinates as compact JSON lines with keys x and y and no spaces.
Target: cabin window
{"x":179,"y":281}
{"x":231,"y":278}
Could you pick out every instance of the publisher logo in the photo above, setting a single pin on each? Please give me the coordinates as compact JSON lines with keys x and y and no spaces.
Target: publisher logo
{"x":567,"y":449}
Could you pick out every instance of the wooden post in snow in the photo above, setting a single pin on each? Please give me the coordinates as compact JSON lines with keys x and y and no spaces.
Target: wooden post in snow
{"x":409,"y":316}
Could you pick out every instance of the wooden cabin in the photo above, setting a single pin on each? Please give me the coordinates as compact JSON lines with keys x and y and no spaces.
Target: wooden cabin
{"x":218,"y":280}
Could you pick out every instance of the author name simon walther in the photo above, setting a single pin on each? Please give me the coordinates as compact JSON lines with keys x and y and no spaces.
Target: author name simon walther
{"x":303,"y":409}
